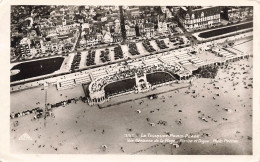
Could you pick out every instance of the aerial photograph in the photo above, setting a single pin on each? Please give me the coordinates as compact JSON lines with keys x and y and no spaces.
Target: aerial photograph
{"x":131,"y":80}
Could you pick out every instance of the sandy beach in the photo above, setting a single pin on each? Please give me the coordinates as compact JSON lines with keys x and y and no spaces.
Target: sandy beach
{"x":215,"y":110}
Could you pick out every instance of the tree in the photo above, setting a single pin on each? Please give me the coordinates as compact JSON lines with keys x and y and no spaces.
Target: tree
{"x":122,"y":23}
{"x":158,"y":10}
{"x":81,"y":8}
{"x":137,"y":30}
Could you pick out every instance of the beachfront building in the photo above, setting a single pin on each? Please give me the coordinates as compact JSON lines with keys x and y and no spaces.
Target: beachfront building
{"x":192,"y":17}
{"x":97,"y":97}
{"x":236,"y":13}
{"x":105,"y":85}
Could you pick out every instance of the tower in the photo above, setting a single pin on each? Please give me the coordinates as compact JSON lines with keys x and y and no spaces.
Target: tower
{"x":141,"y":82}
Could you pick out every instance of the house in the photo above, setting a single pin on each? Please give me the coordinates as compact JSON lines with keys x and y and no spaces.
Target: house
{"x":107,"y":38}
{"x":54,"y":46}
{"x":103,"y":19}
{"x":43,"y":49}
{"x":168,"y":14}
{"x":149,"y":30}
{"x":23,"y":49}
{"x":164,"y":9}
{"x":63,"y":29}
{"x":60,"y":46}
{"x":50,"y":30}
{"x":117,"y":37}
{"x":99,"y":37}
{"x":173,"y":24}
{"x":26,"y":42}
{"x":53,"y":13}
{"x":92,"y":40}
{"x":82,"y":41}
{"x":85,"y":25}
{"x":133,"y":12}
{"x":162,"y":27}
{"x":130,"y":31}
{"x":70,"y":22}
{"x":117,"y":26}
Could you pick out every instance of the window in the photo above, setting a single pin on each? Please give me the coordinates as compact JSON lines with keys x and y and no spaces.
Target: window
{"x":202,"y":14}
{"x":192,"y":16}
{"x":187,"y":16}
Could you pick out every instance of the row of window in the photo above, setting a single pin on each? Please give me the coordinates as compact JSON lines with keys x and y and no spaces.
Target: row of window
{"x":148,"y":30}
{"x":202,"y":19}
{"x":237,"y":14}
{"x":201,"y":24}
{"x":193,"y":16}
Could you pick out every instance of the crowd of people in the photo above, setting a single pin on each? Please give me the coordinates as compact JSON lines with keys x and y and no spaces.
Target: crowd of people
{"x":39,"y":111}
{"x":26,"y":112}
{"x":207,"y":72}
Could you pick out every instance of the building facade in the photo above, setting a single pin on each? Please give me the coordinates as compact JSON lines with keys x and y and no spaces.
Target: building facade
{"x":130,"y":31}
{"x":234,"y":14}
{"x":149,"y":30}
{"x":192,"y":18}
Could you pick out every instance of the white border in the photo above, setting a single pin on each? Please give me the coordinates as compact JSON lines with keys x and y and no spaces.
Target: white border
{"x":5,"y":155}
